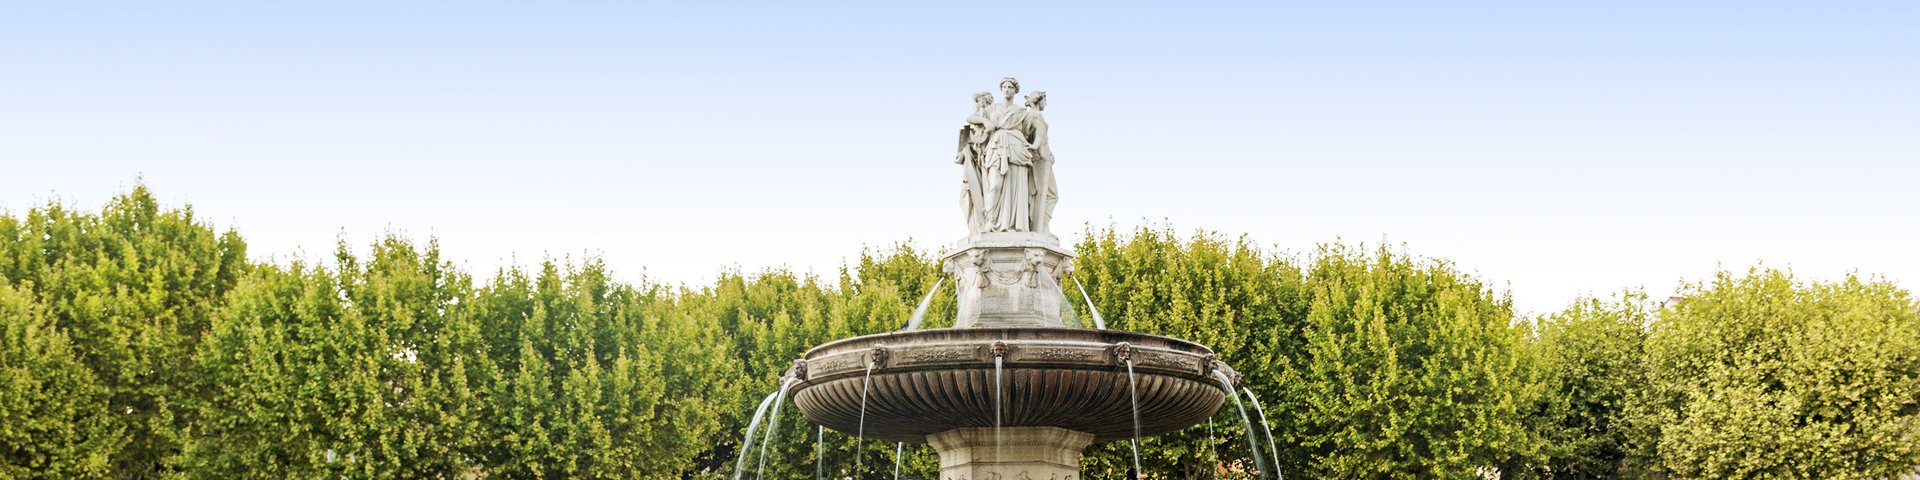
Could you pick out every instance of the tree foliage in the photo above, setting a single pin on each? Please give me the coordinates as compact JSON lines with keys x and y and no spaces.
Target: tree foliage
{"x":133,"y":288}
{"x":1593,"y":355}
{"x":136,"y":342}
{"x":1762,"y":375}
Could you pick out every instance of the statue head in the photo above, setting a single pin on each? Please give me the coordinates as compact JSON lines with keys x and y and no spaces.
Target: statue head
{"x":981,"y":100}
{"x":1009,"y":86}
{"x":1037,"y":100}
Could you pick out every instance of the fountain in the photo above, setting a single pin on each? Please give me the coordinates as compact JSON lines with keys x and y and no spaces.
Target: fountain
{"x":1010,"y":391}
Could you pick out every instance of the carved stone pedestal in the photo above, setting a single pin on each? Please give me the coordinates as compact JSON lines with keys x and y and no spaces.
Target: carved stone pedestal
{"x":1009,"y":279}
{"x":1017,"y":453}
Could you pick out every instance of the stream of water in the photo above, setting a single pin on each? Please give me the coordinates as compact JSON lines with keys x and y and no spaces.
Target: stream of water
{"x":1133,"y":394}
{"x":746,"y":444}
{"x":996,"y":409}
{"x":1259,"y":464}
{"x":899,"y":449}
{"x":1098,"y":322}
{"x":773,"y":425}
{"x":1263,"y":425}
{"x":860,"y":434}
{"x":913,"y":323}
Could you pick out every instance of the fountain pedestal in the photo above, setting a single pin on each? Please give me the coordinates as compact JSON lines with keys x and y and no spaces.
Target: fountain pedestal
{"x":1017,"y":453}
{"x":1008,"y":279}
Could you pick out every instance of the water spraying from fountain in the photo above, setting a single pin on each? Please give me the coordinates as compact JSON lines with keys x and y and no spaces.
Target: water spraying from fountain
{"x":1133,"y":393}
{"x":860,"y":436}
{"x":1210,"y":447}
{"x":746,"y":444}
{"x":820,"y":453}
{"x":899,"y":448}
{"x":997,"y":385}
{"x":773,"y":425}
{"x":1266,"y":426}
{"x":1259,"y":464}
{"x":1098,"y":322}
{"x":920,"y":312}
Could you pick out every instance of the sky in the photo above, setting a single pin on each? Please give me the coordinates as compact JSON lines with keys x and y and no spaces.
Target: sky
{"x":1553,"y":150}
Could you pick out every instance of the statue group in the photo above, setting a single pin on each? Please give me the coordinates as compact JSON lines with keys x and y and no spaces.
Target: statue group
{"x":1006,"y":165}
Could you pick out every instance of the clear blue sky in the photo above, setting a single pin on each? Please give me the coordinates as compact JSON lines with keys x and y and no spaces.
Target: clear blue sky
{"x":1550,"y":148}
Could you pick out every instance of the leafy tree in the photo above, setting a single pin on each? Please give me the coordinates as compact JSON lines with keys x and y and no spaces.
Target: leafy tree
{"x":1228,"y":295}
{"x":132,"y":288}
{"x":607,"y":380}
{"x":1763,"y":375}
{"x":56,"y":419}
{"x":373,"y":370}
{"x":1593,"y":356}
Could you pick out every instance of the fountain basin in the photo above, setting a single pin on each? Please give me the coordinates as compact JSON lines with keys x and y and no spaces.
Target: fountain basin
{"x":932,"y":381}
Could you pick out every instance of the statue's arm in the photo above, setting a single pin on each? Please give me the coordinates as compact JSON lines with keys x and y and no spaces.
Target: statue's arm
{"x":1039,"y":132}
{"x":966,"y":137}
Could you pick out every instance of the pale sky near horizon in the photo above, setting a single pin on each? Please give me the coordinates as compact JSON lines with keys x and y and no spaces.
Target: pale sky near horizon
{"x":1553,"y":150}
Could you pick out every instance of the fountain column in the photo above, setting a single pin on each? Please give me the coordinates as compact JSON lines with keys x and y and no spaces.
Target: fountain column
{"x":1038,"y":453}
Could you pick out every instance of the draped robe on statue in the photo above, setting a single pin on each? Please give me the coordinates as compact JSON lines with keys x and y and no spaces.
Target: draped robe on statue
{"x":1007,"y":191}
{"x":1045,"y":191}
{"x":973,"y":145}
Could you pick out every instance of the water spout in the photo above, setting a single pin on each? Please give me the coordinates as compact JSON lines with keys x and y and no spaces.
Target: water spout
{"x":1210,"y":446}
{"x":913,"y":323}
{"x":773,"y":424}
{"x":1263,"y":424}
{"x":860,"y":434}
{"x":820,"y":453}
{"x":999,"y":356}
{"x":1098,"y":322}
{"x":1133,"y":392}
{"x":746,"y":444}
{"x":1252,"y":447}
{"x":899,"y":448}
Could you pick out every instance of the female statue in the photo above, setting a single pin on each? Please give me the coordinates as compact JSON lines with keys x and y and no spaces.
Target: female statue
{"x":973,"y":145}
{"x":1046,"y":193}
{"x":1009,"y":160}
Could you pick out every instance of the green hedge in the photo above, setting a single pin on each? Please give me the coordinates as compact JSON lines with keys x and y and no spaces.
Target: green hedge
{"x":139,"y":342}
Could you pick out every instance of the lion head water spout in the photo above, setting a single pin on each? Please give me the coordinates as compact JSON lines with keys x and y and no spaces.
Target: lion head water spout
{"x":1010,"y":389}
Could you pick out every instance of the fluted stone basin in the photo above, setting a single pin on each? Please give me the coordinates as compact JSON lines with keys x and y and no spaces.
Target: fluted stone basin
{"x":931,"y":381}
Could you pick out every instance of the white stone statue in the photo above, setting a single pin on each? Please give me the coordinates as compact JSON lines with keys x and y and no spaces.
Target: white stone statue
{"x":973,"y":146}
{"x":1046,"y":192}
{"x":1007,"y":166}
{"x":1006,"y":173}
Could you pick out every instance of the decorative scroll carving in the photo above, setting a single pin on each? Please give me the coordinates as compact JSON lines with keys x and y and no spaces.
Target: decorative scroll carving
{"x":967,"y":353}
{"x":1059,"y":354}
{"x":835,"y":364}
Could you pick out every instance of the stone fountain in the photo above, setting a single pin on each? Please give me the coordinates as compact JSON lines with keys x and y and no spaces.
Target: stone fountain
{"x":1010,"y":391}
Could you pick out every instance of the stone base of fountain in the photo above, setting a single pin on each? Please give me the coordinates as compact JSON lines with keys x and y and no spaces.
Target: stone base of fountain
{"x":1008,"y":279}
{"x":1015,"y":453}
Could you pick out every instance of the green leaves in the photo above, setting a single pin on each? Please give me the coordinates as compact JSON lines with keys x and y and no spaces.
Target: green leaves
{"x":57,"y":423}
{"x":1371,"y":363}
{"x":137,"y":342}
{"x":132,"y":288}
{"x":1764,"y":375}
